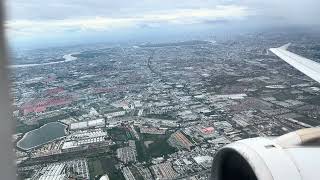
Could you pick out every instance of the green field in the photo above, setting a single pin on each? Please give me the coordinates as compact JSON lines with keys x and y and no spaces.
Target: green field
{"x":95,"y":169}
{"x":158,"y":148}
{"x":119,"y":134}
{"x":99,"y":166}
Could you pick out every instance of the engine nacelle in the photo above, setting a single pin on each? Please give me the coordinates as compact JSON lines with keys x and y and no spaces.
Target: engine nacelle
{"x":294,"y":156}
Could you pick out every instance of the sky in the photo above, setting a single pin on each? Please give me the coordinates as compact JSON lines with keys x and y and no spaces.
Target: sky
{"x":45,"y":22}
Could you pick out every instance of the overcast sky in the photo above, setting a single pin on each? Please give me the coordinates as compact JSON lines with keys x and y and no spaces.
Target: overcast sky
{"x":38,"y":20}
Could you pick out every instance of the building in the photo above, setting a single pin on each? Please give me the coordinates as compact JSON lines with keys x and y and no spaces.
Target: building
{"x":127,"y":174}
{"x":127,"y":154}
{"x":179,"y":140}
{"x":98,"y":123}
{"x":81,"y":139}
{"x":164,"y":171}
{"x":152,"y":130}
{"x":74,"y":169}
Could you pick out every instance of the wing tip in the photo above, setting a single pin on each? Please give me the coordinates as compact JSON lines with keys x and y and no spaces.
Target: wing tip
{"x":285,"y":47}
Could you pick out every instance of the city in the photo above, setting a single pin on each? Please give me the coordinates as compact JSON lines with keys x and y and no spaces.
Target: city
{"x":155,"y":110}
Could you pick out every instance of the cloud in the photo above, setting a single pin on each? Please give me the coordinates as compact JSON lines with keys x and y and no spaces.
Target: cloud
{"x":31,"y":27}
{"x":32,"y":20}
{"x":294,"y":12}
{"x":62,"y":9}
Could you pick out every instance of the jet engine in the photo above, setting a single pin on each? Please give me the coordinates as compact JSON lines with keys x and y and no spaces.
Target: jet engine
{"x":293,"y":156}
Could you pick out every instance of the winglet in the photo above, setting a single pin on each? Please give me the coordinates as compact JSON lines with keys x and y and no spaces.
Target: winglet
{"x":285,"y":47}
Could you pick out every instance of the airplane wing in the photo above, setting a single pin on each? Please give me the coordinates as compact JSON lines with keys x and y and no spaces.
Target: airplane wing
{"x":306,"y":66}
{"x":290,"y":156}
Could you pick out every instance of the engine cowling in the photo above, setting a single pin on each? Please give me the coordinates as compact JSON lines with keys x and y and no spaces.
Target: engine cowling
{"x":294,"y":156}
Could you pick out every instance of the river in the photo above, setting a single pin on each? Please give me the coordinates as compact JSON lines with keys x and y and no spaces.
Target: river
{"x":67,"y":58}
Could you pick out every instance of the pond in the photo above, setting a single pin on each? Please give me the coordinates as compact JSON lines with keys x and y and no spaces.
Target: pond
{"x":42,"y":135}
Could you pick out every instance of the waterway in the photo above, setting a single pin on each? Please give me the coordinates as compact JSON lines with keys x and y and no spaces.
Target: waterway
{"x":42,"y":135}
{"x":67,"y":58}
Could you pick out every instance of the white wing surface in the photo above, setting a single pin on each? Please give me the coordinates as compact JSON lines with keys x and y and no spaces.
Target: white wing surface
{"x":306,"y":66}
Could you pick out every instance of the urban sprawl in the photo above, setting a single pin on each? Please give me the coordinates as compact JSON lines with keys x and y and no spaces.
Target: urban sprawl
{"x":155,"y":110}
